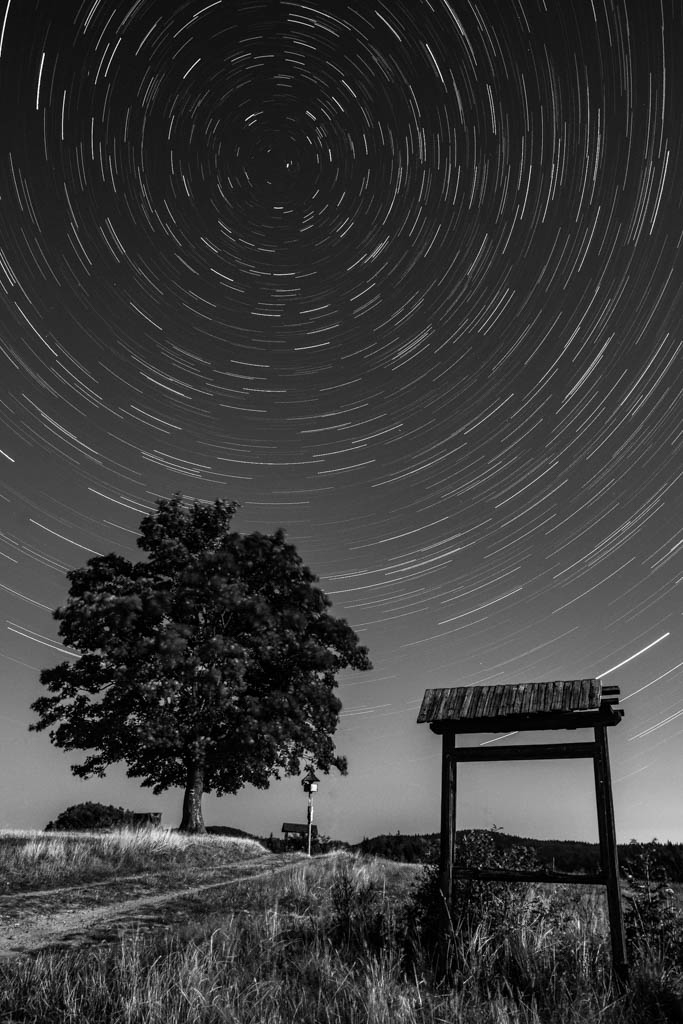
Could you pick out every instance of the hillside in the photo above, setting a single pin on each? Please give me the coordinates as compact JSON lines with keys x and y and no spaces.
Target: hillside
{"x":558,"y":854}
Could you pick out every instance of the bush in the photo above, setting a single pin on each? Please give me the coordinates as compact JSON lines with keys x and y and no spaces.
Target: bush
{"x":653,"y":925}
{"x":87,"y":816}
{"x":362,"y":921}
{"x":443,"y":941}
{"x":474,"y":901}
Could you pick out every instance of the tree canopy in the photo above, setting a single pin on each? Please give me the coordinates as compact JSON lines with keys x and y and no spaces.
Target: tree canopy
{"x":209,"y":665}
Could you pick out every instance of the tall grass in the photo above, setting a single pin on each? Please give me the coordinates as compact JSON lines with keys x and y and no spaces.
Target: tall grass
{"x":38,"y":860}
{"x":333,"y":947}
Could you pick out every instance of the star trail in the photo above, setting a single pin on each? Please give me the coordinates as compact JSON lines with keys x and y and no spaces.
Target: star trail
{"x":401,"y":277}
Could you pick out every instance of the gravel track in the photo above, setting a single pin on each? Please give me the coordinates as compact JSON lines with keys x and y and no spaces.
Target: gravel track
{"x":82,"y":915}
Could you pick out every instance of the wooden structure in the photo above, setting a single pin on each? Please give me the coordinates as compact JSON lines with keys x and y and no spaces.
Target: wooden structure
{"x":506,"y":708}
{"x":144,"y":819}
{"x":290,"y":829}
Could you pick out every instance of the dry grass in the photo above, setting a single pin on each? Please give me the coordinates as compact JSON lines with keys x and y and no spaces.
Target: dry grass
{"x":40,"y":860}
{"x":331,"y":945}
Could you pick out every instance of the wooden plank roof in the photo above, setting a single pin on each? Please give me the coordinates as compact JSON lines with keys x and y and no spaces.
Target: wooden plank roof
{"x":502,"y":700}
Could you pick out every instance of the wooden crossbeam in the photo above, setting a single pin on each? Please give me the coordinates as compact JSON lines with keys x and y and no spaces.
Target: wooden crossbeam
{"x":605,"y":715}
{"x":502,"y":875}
{"x":526,"y":752}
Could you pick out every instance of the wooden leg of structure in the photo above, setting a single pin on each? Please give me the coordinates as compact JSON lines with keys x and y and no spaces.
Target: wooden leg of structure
{"x":448,"y":794}
{"x":609,"y":857}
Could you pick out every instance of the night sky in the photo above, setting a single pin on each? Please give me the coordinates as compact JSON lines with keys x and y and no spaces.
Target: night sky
{"x":402,"y":277}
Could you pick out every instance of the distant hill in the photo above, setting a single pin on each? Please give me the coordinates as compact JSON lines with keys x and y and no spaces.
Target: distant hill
{"x":275,"y":843}
{"x":227,"y":830}
{"x":558,"y":854}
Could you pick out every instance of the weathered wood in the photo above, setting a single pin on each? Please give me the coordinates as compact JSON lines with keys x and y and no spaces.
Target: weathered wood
{"x":609,"y":855}
{"x":507,"y":702}
{"x":452,"y":702}
{"x":525,"y":752}
{"x":488,"y":699}
{"x":515,"y":707}
{"x":584,"y":696}
{"x":501,"y":700}
{"x":466,"y":703}
{"x":502,"y":875}
{"x":448,"y":805}
{"x":603,"y":715}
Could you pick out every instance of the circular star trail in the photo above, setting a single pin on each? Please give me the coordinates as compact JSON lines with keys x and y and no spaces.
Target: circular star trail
{"x":401,"y":277}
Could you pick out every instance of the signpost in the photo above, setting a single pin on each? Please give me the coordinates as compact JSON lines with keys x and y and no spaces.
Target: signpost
{"x":310,"y":784}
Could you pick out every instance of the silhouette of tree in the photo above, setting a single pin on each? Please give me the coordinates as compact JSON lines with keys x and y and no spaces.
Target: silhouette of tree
{"x":210,"y":665}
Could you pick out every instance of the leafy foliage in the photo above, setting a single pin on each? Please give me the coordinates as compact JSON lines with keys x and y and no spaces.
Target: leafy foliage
{"x":652,"y":921}
{"x":491,"y":928}
{"x":210,"y":665}
{"x":474,"y":901}
{"x":89,"y":815}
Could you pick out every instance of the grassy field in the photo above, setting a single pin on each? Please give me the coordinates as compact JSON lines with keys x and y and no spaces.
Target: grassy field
{"x":333,"y":941}
{"x":41,"y":860}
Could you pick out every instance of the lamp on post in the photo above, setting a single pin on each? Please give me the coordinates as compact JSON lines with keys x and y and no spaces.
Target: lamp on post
{"x":310,"y":783}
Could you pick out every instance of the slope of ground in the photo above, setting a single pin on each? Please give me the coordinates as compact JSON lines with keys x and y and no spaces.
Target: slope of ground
{"x":181,"y":878}
{"x":39,"y":860}
{"x":78,"y":916}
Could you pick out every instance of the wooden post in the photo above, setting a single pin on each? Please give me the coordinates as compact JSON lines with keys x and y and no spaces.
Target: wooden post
{"x":448,"y":797}
{"x":310,"y":819}
{"x":609,"y":855}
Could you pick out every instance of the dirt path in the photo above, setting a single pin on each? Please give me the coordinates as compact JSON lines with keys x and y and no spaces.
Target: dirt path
{"x":82,"y":915}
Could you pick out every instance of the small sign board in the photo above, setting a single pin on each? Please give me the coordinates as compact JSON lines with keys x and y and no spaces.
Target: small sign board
{"x":299,"y":830}
{"x":145,"y":819}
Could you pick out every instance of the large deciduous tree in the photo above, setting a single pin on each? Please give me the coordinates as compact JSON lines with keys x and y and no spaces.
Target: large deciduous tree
{"x":210,"y":665}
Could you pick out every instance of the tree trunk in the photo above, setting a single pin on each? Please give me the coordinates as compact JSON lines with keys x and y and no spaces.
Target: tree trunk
{"x":193,"y":822}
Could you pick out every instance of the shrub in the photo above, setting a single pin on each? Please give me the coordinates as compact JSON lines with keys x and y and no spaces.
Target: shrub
{"x":474,"y":901}
{"x":447,"y":941}
{"x":361,"y":920}
{"x":652,"y":922}
{"x":83,"y":817}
